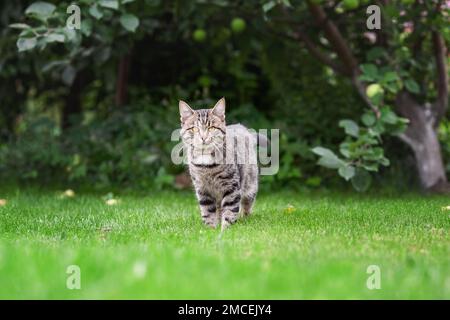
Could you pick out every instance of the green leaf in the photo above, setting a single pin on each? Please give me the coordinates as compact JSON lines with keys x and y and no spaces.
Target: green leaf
{"x":27,"y":33}
{"x":344,"y":149}
{"x":55,"y":37}
{"x":385,"y":161}
{"x":95,"y":12}
{"x":86,"y":27}
{"x":41,"y":9}
{"x":388,"y":116}
{"x":372,"y":157}
{"x":377,"y":152}
{"x":412,"y":86}
{"x":68,"y":75}
{"x":129,"y":21}
{"x":269,"y":6}
{"x":330,"y":162}
{"x":346,"y":172}
{"x":377,"y":130}
{"x":110,"y":4}
{"x":324,"y":152}
{"x":368,"y":119}
{"x":368,"y":139}
{"x":392,"y":86}
{"x":371,"y":166}
{"x":370,"y":70}
{"x":365,"y":78}
{"x":390,"y":76}
{"x":327,"y":158}
{"x":25,"y":44}
{"x":71,"y":35}
{"x":362,"y":180}
{"x":53,"y":64}
{"x":399,"y":127}
{"x":350,"y":127}
{"x":19,"y":26}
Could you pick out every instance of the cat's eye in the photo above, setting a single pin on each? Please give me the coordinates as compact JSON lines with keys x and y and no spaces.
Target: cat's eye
{"x":194,"y":129}
{"x":211,"y":128}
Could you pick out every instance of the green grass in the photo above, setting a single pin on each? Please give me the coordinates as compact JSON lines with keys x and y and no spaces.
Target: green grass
{"x":155,"y":246}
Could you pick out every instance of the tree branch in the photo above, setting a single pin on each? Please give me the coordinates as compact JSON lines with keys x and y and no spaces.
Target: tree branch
{"x":343,"y":51}
{"x":300,"y":35}
{"x":440,"y":53}
{"x":335,"y":38}
{"x":318,"y":54}
{"x":122,"y":80}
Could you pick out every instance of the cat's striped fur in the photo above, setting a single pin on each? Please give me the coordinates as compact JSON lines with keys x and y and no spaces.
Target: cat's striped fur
{"x":222,"y":163}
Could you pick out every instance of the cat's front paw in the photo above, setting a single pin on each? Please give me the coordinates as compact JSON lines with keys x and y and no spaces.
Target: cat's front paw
{"x":228,"y":218}
{"x":212,"y":226}
{"x":211,"y":223}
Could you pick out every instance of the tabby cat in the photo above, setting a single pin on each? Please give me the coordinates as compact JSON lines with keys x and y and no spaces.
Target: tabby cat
{"x":222,"y":163}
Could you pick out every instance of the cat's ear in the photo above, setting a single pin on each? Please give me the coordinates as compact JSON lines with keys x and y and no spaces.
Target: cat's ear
{"x":219,"y":109}
{"x":185,"y":110}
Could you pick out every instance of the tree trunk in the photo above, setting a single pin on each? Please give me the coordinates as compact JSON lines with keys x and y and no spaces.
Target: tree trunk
{"x":422,"y":137}
{"x":122,"y":80}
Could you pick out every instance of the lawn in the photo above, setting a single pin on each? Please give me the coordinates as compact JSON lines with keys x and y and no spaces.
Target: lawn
{"x":155,"y":246}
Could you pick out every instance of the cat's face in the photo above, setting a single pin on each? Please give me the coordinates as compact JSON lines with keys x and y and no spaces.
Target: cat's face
{"x":203,"y":132}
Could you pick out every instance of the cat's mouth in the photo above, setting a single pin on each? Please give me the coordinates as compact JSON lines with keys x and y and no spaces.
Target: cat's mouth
{"x":203,"y":155}
{"x":204,"y":150}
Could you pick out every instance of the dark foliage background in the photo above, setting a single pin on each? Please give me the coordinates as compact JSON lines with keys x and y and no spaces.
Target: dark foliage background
{"x":98,"y":110}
